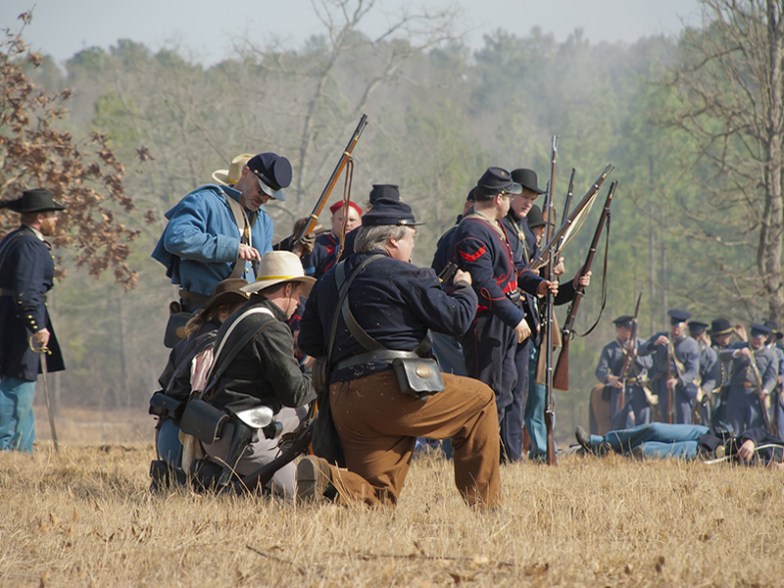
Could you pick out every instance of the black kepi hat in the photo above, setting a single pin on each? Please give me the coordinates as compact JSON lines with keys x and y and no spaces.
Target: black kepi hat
{"x":535,"y":217}
{"x":625,"y":320}
{"x":720,"y":326}
{"x":758,"y":329}
{"x":388,"y":191}
{"x":273,"y":172}
{"x":678,"y":316}
{"x":527,"y":179}
{"x":697,"y":328}
{"x":494,"y":181}
{"x":35,"y":200}
{"x":389,"y":212}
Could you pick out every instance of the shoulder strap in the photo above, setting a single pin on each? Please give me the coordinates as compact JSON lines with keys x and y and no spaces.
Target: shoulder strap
{"x":243,"y":224}
{"x":343,"y":286}
{"x":361,"y":335}
{"x":221,"y":362}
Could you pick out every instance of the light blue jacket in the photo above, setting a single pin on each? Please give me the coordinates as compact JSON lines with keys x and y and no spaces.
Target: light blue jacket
{"x":199,"y":245}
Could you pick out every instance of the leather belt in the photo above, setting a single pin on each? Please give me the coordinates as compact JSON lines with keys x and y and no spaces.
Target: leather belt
{"x":749,"y":385}
{"x":632,"y":381}
{"x":385,"y":355}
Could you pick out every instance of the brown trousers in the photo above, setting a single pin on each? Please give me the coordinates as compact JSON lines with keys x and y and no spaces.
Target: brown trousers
{"x":378,"y":426}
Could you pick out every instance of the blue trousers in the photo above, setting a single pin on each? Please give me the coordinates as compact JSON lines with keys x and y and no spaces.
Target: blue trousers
{"x":534,"y":410}
{"x":168,"y":443}
{"x":17,"y":422}
{"x":489,"y":353}
{"x":513,"y":415}
{"x":656,"y":439}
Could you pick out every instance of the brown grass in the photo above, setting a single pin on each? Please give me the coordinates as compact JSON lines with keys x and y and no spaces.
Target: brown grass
{"x":84,"y":517}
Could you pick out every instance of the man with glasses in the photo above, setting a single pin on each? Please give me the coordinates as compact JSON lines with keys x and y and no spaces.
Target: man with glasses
{"x":26,"y":275}
{"x":221,"y":231}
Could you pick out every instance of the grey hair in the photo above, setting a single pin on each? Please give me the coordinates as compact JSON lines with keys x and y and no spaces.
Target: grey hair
{"x":375,"y":237}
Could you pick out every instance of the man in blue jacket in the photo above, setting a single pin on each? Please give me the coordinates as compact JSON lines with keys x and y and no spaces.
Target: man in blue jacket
{"x":26,"y":274}
{"x":217,"y":232}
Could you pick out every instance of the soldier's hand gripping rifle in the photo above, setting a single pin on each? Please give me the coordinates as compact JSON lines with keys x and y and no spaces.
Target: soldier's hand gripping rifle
{"x":561,"y":378}
{"x":345,"y":157}
{"x":631,"y":355}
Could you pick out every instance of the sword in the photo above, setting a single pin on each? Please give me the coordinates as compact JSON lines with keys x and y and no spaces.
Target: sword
{"x":43,"y":352}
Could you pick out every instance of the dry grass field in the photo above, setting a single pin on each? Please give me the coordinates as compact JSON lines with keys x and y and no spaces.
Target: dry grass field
{"x":84,"y":517}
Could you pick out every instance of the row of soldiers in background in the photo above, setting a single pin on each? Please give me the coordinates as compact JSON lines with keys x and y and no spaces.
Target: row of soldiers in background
{"x":691,"y":374}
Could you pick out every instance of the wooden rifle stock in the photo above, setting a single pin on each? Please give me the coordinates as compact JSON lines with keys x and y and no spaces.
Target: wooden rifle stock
{"x":333,"y":179}
{"x":561,"y":379}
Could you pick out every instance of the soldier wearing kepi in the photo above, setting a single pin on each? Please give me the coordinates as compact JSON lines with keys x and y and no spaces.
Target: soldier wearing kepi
{"x":623,"y":375}
{"x":706,"y":379}
{"x":752,"y":377}
{"x":217,"y":232}
{"x":481,"y":247}
{"x":676,"y":364}
{"x":389,"y":305}
{"x":522,"y":242}
{"x":26,"y":275}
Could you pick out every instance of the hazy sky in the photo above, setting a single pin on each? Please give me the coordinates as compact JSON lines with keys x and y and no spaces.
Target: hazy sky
{"x":206,"y":29}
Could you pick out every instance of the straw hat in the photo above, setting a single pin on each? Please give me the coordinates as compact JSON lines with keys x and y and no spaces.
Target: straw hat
{"x":229,"y":177}
{"x":277,"y":267}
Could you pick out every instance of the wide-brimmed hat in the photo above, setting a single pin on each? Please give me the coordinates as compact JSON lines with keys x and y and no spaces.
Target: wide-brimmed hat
{"x":527,"y":179}
{"x":35,"y":200}
{"x":226,"y":292}
{"x":535,"y":218}
{"x":277,"y":267}
{"x":720,"y":326}
{"x":273,"y":172}
{"x":229,"y":177}
{"x":494,"y":181}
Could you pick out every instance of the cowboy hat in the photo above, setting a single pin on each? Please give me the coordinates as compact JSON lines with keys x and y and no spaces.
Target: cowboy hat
{"x":35,"y":200}
{"x":226,"y":292}
{"x":278,"y":267}
{"x":229,"y":177}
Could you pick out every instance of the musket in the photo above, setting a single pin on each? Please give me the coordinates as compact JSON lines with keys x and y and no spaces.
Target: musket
{"x":549,"y":409}
{"x":569,"y":195}
{"x":760,"y":395}
{"x":631,"y":350}
{"x":561,"y":380}
{"x":541,"y":259}
{"x":669,"y":406}
{"x":322,"y":200}
{"x":292,"y":445}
